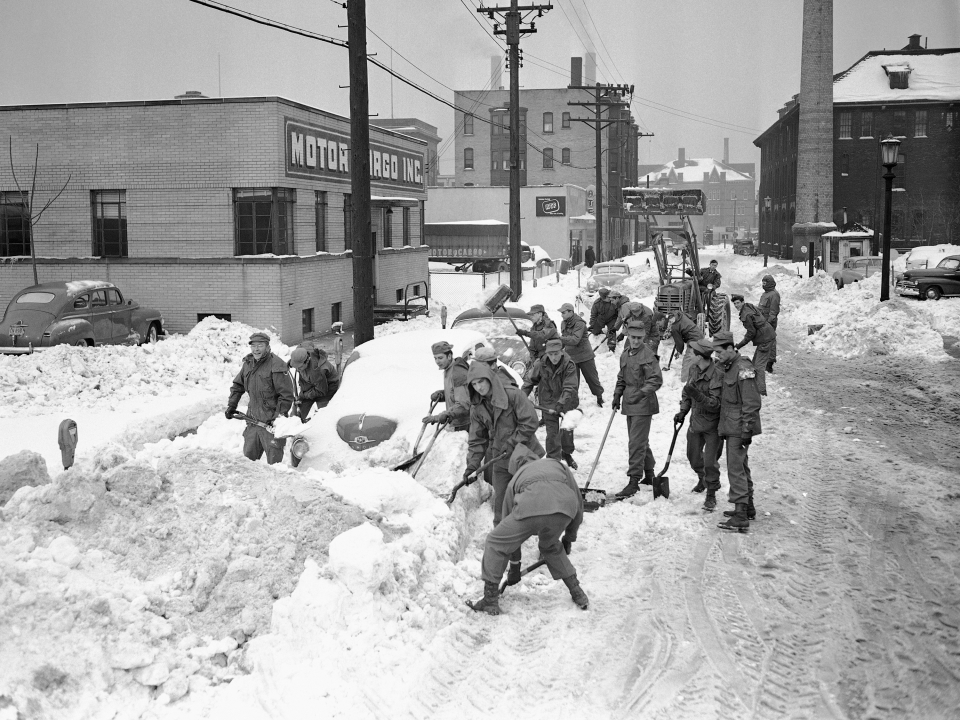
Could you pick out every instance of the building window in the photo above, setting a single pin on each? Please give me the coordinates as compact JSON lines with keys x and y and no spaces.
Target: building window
{"x":846,"y":125}
{"x":307,"y":315}
{"x":406,"y":227}
{"x":14,"y":224}
{"x":565,"y":156}
{"x":109,"y":222}
{"x":387,"y":228}
{"x":845,"y":165}
{"x":565,"y":120}
{"x":901,"y":181}
{"x":336,"y":311}
{"x":548,"y":122}
{"x":468,"y":124}
{"x":347,"y":222}
{"x":548,"y":157}
{"x":497,"y":126}
{"x":321,"y":216}
{"x":866,"y":124}
{"x":506,"y":159}
{"x":900,"y":123}
{"x":468,"y":158}
{"x":495,"y":160}
{"x":263,"y":220}
{"x":949,"y":119}
{"x":920,"y":123}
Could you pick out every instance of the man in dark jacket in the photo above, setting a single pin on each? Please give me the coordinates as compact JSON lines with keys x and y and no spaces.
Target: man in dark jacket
{"x":454,"y":394}
{"x":318,"y":379}
{"x":710,"y":275}
{"x":603,"y":317}
{"x":760,"y":333}
{"x":769,"y":306}
{"x":739,"y":423}
{"x":637,"y":385}
{"x":264,"y":377}
{"x":589,"y":257}
{"x":576,"y":342}
{"x":558,"y":382}
{"x":684,"y":331}
{"x":543,"y":329}
{"x":637,"y":312}
{"x":701,"y":394}
{"x":541,"y":499}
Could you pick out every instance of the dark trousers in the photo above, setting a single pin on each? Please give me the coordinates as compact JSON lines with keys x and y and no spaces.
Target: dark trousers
{"x":703,"y":450}
{"x":641,"y":456}
{"x":501,"y":478}
{"x":257,"y":440}
{"x":506,"y":538}
{"x":763,"y":354}
{"x":558,"y":441}
{"x":611,"y":335}
{"x":588,"y":371}
{"x":738,"y":471}
{"x":305,"y":406}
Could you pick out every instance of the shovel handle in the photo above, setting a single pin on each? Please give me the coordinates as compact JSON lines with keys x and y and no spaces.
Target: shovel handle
{"x":525,"y":571}
{"x":596,"y":460}
{"x":440,"y":427}
{"x":433,"y":404}
{"x":473,"y":476}
{"x":525,"y":343}
{"x":673,"y":443}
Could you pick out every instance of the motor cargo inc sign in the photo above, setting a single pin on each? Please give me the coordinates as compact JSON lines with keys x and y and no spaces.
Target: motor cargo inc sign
{"x":551,"y":206}
{"x":317,"y":153}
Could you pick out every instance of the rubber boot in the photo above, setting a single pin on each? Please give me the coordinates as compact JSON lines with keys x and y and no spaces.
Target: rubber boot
{"x":630,"y":489}
{"x":647,"y":477}
{"x":490,"y":602}
{"x":699,"y":487}
{"x":710,"y":502}
{"x":513,"y":573}
{"x":738,"y":521}
{"x":751,"y":510}
{"x":568,"y":459}
{"x":576,"y":592}
{"x":770,"y":367}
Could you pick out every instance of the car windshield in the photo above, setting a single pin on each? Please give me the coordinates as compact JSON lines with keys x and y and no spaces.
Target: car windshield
{"x":37,"y":298}
{"x":493,"y":326}
{"x":949,"y":264}
{"x":612,"y":269}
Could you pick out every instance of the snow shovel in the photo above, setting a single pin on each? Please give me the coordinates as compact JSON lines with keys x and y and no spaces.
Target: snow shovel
{"x":416,"y":456}
{"x":423,"y":456}
{"x":496,"y":301}
{"x":530,"y":569}
{"x":594,"y":505}
{"x":298,"y":448}
{"x":473,"y":476}
{"x":673,"y":353}
{"x":661,"y":483}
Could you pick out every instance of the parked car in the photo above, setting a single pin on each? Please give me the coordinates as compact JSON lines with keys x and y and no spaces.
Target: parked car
{"x":605,"y":274}
{"x":501,"y":334}
{"x":77,"y":312}
{"x":855,"y":269}
{"x":932,"y":283}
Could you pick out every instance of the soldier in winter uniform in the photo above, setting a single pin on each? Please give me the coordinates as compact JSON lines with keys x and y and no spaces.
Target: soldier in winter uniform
{"x":701,"y":395}
{"x":739,"y":423}
{"x":684,"y":331}
{"x":769,"y":306}
{"x":489,"y":356}
{"x":637,"y":385}
{"x":454,"y":394}
{"x":264,"y":377}
{"x":558,"y":383}
{"x":318,"y":379}
{"x":541,"y":499}
{"x":603,"y":317}
{"x":577,"y":345}
{"x":761,"y":333}
{"x":710,"y":276}
{"x":650,"y":319}
{"x":542,"y":330}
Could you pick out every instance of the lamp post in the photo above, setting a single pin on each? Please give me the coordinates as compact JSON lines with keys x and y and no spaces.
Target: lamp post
{"x":889,"y":148}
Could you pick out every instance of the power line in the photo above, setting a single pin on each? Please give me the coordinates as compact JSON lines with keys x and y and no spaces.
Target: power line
{"x":259,"y":19}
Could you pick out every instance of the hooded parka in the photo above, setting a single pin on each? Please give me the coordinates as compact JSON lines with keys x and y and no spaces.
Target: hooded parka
{"x":758,"y":330}
{"x":769,"y":304}
{"x":638,"y":381}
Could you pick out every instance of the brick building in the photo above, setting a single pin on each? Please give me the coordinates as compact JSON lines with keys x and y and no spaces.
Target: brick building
{"x":421,"y":131}
{"x":555,"y":149}
{"x":236,"y":207}
{"x":913,"y":94}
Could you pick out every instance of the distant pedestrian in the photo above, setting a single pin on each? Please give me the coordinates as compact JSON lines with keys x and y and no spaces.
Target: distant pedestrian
{"x":558,"y":382}
{"x":541,"y":499}
{"x":769,"y":305}
{"x":317,"y":378}
{"x":818,"y":263}
{"x":701,"y":397}
{"x":67,"y":439}
{"x":589,"y":257}
{"x":760,"y":333}
{"x":455,"y":394}
{"x":573,"y":335}
{"x":264,"y":378}
{"x":543,"y":329}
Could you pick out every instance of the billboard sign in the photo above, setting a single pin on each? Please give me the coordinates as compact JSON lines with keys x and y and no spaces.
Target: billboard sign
{"x":551,"y":206}
{"x":656,"y":201}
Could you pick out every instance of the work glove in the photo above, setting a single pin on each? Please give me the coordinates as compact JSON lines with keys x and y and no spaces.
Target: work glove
{"x":745,"y":441}
{"x":615,"y":405}
{"x":228,"y":413}
{"x":694,"y":392}
{"x":620,"y":337}
{"x":437,"y":396}
{"x":548,"y":411}
{"x":438,"y":418}
{"x":521,"y":331}
{"x":469,"y":477}
{"x":739,"y":345}
{"x":567,"y":543}
{"x":679,"y":418}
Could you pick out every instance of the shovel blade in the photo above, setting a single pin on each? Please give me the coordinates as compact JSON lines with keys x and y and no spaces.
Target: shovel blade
{"x":410,"y":462}
{"x":593,"y":499}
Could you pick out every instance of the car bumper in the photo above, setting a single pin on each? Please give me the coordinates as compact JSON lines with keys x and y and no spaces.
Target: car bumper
{"x":24,"y":350}
{"x":907,"y":290}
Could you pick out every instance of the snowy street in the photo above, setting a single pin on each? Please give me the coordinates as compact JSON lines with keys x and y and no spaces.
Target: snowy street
{"x":165,"y":576}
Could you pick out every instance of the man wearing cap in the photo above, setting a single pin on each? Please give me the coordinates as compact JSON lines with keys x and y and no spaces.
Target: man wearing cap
{"x":489,"y":356}
{"x":542,"y":330}
{"x":701,"y":394}
{"x":769,"y":306}
{"x":318,"y":379}
{"x":576,"y":342}
{"x":263,"y":376}
{"x":684,"y":331}
{"x":637,"y":385}
{"x":710,"y":276}
{"x":760,"y":333}
{"x":637,"y":312}
{"x":558,"y":382}
{"x":739,"y":423}
{"x":454,"y":394}
{"x":603,"y":317}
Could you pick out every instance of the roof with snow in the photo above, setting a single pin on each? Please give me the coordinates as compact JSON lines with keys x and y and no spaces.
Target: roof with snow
{"x":931,"y":75}
{"x":693,"y":170}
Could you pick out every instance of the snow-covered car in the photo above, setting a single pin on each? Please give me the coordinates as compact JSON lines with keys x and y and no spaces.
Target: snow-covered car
{"x":501,"y":334}
{"x":856,"y":269}
{"x":932,"y":283}
{"x":76,"y":312}
{"x":605,"y":274}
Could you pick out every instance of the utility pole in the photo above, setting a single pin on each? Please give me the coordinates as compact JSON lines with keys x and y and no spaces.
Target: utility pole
{"x":363,"y":250}
{"x":605,"y":97}
{"x":514,"y":18}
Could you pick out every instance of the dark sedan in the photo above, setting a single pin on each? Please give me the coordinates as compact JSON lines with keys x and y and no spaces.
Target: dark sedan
{"x":500,"y":333}
{"x":78,"y":312}
{"x":932,"y":283}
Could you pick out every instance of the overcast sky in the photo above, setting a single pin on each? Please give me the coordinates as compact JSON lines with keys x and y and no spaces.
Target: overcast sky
{"x":730,"y":63}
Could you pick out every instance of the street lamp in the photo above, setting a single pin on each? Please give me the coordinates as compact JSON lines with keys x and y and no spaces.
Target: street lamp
{"x":889,"y":148}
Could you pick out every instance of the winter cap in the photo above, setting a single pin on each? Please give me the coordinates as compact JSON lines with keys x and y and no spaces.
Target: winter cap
{"x":298,"y":358}
{"x":521,"y":456}
{"x":485,"y":354}
{"x":603,"y":292}
{"x":714,"y":262}
{"x":554,"y":345}
{"x":636,"y":328}
{"x":702,"y":348}
{"x":259,"y":337}
{"x":565,"y":307}
{"x":768,"y":282}
{"x":614,"y":293}
{"x":724,"y":337}
{"x":439,"y":348}
{"x":735,"y":297}
{"x":538,"y":308}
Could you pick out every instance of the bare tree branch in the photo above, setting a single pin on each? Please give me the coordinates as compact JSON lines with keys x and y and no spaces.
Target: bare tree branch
{"x":52,"y":200}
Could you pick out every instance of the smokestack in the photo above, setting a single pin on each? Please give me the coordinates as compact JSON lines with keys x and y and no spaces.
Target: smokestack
{"x":726,"y":151}
{"x":495,"y":79}
{"x":576,"y":71}
{"x":590,"y":69}
{"x":681,"y":157}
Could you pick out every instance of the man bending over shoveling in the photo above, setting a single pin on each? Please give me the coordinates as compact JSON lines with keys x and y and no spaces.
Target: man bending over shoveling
{"x":542,"y":499}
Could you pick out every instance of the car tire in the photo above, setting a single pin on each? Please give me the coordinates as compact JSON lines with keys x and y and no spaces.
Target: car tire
{"x":153,"y":334}
{"x":932,"y":293}
{"x":81,"y":343}
{"x":839,"y":283}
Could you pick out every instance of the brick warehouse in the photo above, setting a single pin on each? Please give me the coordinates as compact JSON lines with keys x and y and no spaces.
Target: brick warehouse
{"x":913,"y":94}
{"x":235,"y":207}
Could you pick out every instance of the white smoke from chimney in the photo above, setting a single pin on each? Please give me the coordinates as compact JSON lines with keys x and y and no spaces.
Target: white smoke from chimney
{"x":590,"y":69}
{"x":496,"y":81}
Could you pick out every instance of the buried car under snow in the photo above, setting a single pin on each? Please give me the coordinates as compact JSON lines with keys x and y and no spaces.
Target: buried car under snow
{"x":501,"y":333}
{"x":605,"y":274}
{"x":76,"y":312}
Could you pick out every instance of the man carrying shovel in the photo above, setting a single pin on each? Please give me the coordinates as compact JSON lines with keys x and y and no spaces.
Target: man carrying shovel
{"x":558,"y":382}
{"x":454,"y":393}
{"x":542,"y":330}
{"x":264,"y":377}
{"x":701,"y":395}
